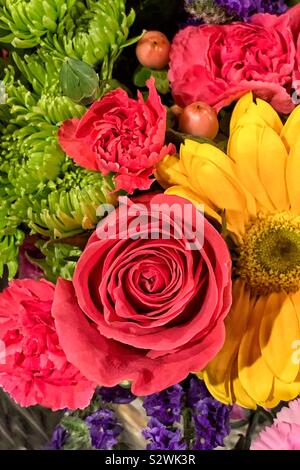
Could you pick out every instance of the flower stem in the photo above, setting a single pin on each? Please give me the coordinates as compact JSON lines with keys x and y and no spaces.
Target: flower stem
{"x":188,"y":429}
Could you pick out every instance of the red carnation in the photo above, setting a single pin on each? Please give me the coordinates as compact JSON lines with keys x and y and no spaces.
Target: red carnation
{"x":121,"y":135}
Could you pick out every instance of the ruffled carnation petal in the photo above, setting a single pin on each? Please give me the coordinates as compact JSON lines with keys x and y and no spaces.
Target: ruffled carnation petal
{"x":34,"y":369}
{"x":219,"y":63}
{"x":120,"y":135}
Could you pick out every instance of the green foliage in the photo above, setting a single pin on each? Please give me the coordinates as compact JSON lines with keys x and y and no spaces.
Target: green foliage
{"x":69,"y":204}
{"x":40,"y":68}
{"x":92,"y":31}
{"x":9,"y":249}
{"x":39,"y":185}
{"x":60,"y":260}
{"x":24,"y":24}
{"x":79,"y":437}
{"x":142,"y":74}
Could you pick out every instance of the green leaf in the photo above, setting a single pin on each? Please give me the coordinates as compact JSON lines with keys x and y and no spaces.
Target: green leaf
{"x":161,"y":81}
{"x":132,"y":41}
{"x":142,"y":74}
{"x":79,"y":81}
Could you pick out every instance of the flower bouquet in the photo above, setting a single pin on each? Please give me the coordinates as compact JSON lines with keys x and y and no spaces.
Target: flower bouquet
{"x":150,"y":223}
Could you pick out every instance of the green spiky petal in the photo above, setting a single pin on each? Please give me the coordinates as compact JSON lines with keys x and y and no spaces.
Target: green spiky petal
{"x":9,"y":250}
{"x":92,"y":31}
{"x":23,"y":23}
{"x":60,"y":260}
{"x":71,"y":205}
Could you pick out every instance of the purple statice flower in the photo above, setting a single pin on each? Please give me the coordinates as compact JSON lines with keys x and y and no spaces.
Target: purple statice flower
{"x":210,"y":417}
{"x":196,"y":391}
{"x":227,"y":11}
{"x":211,"y":420}
{"x":58,"y":439}
{"x":104,"y":429}
{"x":163,"y":438}
{"x":118,"y":394}
{"x":166,"y":405}
{"x":206,"y":11}
{"x":246,"y":8}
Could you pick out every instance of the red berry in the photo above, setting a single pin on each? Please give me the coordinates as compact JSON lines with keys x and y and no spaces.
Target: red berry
{"x":200,"y":120}
{"x":153,"y":50}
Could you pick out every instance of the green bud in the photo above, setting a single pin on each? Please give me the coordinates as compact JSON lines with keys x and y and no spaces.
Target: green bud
{"x":79,"y":81}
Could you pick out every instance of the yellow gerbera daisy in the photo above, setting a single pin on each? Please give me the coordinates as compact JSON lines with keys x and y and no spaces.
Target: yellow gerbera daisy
{"x":257,"y":189}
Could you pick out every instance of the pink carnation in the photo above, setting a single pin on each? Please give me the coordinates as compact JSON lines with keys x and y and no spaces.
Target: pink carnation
{"x":121,"y":135}
{"x":219,"y":63}
{"x":33,"y":367}
{"x":284,"y":434}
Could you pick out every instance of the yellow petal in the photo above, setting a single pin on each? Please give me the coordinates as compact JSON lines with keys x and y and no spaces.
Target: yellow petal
{"x":260,"y":110}
{"x":282,"y":392}
{"x":278,"y":331}
{"x":293,"y":177}
{"x":240,"y":109}
{"x":269,"y":115}
{"x":211,"y":174}
{"x":254,"y":374}
{"x":195,"y":199}
{"x":244,"y":150}
{"x":220,"y":391}
{"x":241,"y":397}
{"x":272,"y":162}
{"x":290,"y":131}
{"x":217,"y":374}
{"x":169,"y":172}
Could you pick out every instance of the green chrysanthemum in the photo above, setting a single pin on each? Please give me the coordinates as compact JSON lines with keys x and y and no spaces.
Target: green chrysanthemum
{"x":69,"y":204}
{"x":24,"y":23}
{"x":39,"y":184}
{"x":90,"y":30}
{"x":51,"y":194}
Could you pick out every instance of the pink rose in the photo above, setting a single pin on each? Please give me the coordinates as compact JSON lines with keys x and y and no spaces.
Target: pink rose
{"x":120,"y":135}
{"x":33,"y":367}
{"x":219,"y":63}
{"x":148,"y":309}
